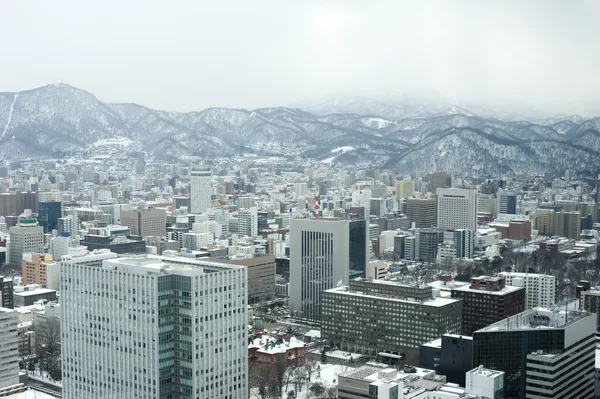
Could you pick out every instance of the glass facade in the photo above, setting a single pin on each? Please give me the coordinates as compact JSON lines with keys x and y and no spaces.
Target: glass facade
{"x":48,"y":215}
{"x":357,"y":247}
{"x":317,"y":270}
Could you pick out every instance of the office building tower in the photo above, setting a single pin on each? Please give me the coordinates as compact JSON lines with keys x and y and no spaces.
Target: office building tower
{"x":429,"y":241}
{"x":568,"y":224}
{"x":48,"y":215}
{"x":261,"y":277}
{"x":377,"y":207}
{"x":540,"y":289}
{"x":9,"y":348}
{"x":464,"y":241}
{"x":145,"y":223}
{"x":386,"y":319}
{"x":487,"y":300}
{"x":506,"y":202}
{"x":422,"y":212}
{"x":49,"y":196}
{"x":248,"y":222}
{"x":405,"y":189}
{"x":457,"y":208}
{"x":167,"y":327}
{"x":486,"y":203}
{"x":6,"y":292}
{"x":26,"y":236}
{"x":200,"y":191}
{"x":323,"y":253}
{"x":451,"y":355}
{"x":543,"y":353}
{"x":410,"y":248}
{"x":439,"y":180}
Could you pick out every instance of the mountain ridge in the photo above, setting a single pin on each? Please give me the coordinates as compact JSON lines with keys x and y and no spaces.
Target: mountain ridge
{"x":60,"y":119}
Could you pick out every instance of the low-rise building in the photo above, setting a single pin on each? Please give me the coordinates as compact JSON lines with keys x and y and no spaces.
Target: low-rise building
{"x":270,"y":348}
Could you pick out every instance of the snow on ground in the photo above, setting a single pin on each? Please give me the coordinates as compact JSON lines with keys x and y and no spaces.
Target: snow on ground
{"x":328,"y":160}
{"x":326,"y":374}
{"x":30,"y":394}
{"x":345,"y":148}
{"x":337,"y":354}
{"x":377,"y":123}
{"x":44,"y":377}
{"x":118,"y":141}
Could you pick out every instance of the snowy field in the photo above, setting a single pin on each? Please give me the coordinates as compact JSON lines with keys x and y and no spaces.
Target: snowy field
{"x":30,"y":394}
{"x":326,"y":374}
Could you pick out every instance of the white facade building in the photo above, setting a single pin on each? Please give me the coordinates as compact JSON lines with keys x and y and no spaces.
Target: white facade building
{"x":540,"y":289}
{"x":484,"y":382}
{"x":26,"y":237}
{"x":456,"y":208}
{"x":163,"y":327}
{"x":9,"y":348}
{"x":248,"y":222}
{"x":200,"y":191}
{"x":50,"y":196}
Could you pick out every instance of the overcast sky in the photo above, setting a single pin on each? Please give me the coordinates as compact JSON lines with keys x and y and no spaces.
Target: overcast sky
{"x":188,"y":55}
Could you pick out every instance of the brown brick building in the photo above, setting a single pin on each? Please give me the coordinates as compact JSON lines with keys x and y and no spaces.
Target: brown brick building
{"x":487,"y":300}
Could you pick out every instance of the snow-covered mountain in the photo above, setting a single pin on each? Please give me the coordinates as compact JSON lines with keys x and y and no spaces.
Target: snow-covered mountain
{"x":55,"y":120}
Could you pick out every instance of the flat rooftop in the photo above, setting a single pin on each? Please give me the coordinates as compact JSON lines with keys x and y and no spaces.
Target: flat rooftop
{"x":37,"y":291}
{"x":438,"y":302}
{"x":538,"y":318}
{"x":506,"y":290}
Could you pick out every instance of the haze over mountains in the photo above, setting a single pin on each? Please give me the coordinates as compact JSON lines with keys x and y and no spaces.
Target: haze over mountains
{"x":404,"y":134}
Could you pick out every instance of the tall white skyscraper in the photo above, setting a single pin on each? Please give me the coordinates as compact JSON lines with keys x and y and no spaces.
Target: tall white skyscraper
{"x":154,"y":327}
{"x":248,"y":222}
{"x":9,"y":348}
{"x":456,"y":208}
{"x":200,"y":191}
{"x":27,"y":236}
{"x":323,"y":252}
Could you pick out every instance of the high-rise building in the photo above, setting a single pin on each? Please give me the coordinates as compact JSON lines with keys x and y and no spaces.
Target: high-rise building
{"x":9,"y":348}
{"x":248,"y":222}
{"x":200,"y":191}
{"x":422,"y":212}
{"x":27,"y":236}
{"x":464,"y":241}
{"x":429,"y":240}
{"x":377,"y":207}
{"x":261,"y":277}
{"x":451,"y":355}
{"x":386,"y":319}
{"x":506,"y":202}
{"x":487,"y":300}
{"x":145,"y":223}
{"x":405,"y":188}
{"x":544,"y":221}
{"x":48,"y":215}
{"x":6,"y":292}
{"x":543,"y":353}
{"x":457,"y":209}
{"x":165,"y":327}
{"x":13,"y":204}
{"x":439,"y":180}
{"x":568,"y":224}
{"x":323,"y":253}
{"x":540,"y":289}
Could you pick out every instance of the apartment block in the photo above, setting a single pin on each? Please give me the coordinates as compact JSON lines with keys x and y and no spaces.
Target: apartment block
{"x":540,"y":289}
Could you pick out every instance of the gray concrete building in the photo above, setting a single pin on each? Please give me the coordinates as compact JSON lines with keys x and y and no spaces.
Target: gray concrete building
{"x":261,"y":277}
{"x":149,"y":222}
{"x":385,"y":319}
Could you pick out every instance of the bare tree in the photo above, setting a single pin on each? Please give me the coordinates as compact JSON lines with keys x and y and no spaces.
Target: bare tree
{"x":48,"y":346}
